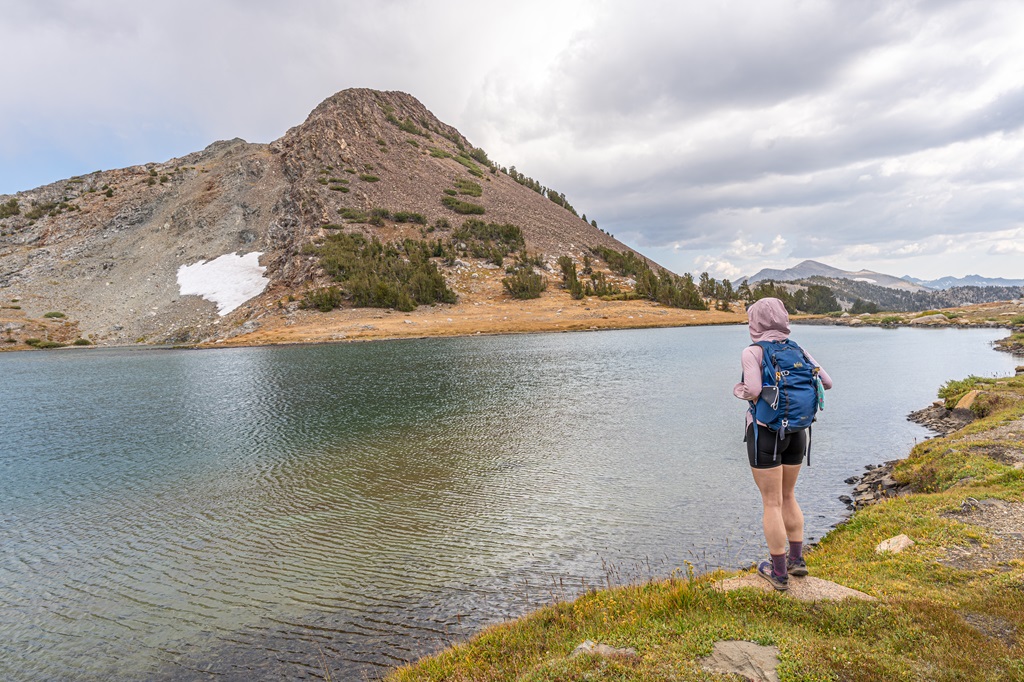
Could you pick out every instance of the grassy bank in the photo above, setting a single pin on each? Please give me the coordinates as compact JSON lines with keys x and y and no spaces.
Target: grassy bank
{"x":949,"y":608}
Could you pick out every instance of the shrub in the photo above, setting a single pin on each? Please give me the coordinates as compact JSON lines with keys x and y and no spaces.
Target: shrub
{"x":483,"y":238}
{"x":324,"y":299}
{"x":39,"y":210}
{"x":570,"y":279}
{"x":81,"y":342}
{"x":109,"y":192}
{"x":524,"y":283}
{"x":54,"y":314}
{"x":378,"y":275}
{"x":480,"y":155}
{"x":9,"y":208}
{"x":353,"y":215}
{"x":470,"y":166}
{"x":860,"y":306}
{"x":468,"y":187}
{"x":332,"y":226}
{"x":665,"y":287}
{"x":39,"y":343}
{"x":451,"y":192}
{"x":955,"y":389}
{"x":439,"y":153}
{"x":463,"y":207}
{"x":368,"y":178}
{"x":409,"y":217}
{"x":150,"y":181}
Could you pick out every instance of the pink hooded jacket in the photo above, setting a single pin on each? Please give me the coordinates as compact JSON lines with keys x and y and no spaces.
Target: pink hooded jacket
{"x":768,"y":321}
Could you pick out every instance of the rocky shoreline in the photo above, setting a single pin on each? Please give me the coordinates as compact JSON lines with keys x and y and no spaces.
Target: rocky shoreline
{"x":878,"y":483}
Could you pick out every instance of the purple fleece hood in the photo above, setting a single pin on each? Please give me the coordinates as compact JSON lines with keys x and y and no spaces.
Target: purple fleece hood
{"x":769,"y":320}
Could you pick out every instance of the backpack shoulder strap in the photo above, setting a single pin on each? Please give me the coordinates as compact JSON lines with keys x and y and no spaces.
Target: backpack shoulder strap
{"x":768,"y":368}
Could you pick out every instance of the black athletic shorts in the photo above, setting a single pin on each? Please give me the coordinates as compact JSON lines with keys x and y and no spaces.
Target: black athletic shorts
{"x":790,"y":449}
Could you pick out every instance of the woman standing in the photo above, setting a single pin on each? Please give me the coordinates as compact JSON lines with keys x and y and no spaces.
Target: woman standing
{"x":775,"y":455}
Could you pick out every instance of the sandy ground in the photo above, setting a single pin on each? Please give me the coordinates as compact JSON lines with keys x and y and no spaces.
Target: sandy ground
{"x":482,"y":312}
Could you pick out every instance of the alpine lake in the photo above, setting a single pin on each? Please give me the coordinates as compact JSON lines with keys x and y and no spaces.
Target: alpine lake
{"x":272,"y":513}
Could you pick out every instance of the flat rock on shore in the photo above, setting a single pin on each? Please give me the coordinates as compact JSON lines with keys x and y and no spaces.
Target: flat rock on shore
{"x":808,"y":588}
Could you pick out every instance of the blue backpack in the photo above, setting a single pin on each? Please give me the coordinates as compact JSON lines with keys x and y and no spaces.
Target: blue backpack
{"x":791,"y":393}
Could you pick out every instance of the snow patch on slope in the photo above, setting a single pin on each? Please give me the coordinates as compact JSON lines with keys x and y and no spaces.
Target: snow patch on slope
{"x":229,"y":281}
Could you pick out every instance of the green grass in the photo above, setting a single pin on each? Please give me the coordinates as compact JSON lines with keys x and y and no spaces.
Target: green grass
{"x":369,"y":178}
{"x":916,"y":630}
{"x":54,"y":314}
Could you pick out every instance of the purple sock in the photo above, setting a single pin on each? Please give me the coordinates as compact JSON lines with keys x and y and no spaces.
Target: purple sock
{"x":796,"y":550}
{"x":779,"y":565}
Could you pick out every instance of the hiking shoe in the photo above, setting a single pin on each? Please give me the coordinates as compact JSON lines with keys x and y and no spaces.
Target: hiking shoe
{"x":797,"y":567}
{"x":780,"y":583}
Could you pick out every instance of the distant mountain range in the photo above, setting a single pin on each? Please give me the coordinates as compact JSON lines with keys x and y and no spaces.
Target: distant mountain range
{"x":968,"y":281}
{"x":810,"y":268}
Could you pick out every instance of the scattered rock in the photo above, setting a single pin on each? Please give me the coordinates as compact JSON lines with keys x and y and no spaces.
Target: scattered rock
{"x":595,"y":649}
{"x":942,"y":421}
{"x":748,"y":660}
{"x":874,"y":486}
{"x":894,"y":545}
{"x":1004,"y":520}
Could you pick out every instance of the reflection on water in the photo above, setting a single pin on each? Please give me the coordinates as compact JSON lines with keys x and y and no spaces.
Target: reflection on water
{"x":177,"y":515}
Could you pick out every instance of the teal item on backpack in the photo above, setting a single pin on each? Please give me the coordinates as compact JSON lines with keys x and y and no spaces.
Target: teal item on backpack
{"x":791,"y":392}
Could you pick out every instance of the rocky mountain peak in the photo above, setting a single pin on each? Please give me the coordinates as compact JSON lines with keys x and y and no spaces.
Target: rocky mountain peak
{"x":105,"y":249}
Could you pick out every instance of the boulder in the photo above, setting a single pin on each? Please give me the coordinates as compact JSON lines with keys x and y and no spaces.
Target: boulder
{"x":968,"y":400}
{"x":748,"y":660}
{"x":894,"y":545}
{"x":937,"y":318}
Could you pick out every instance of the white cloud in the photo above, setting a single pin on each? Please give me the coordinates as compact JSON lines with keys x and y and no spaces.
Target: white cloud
{"x":854,"y":130}
{"x":717,"y":267}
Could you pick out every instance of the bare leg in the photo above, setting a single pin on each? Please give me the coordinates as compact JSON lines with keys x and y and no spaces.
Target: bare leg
{"x":770,"y":483}
{"x":792,"y":516}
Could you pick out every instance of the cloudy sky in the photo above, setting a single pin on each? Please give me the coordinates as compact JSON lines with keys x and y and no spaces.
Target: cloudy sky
{"x":723,"y":136}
